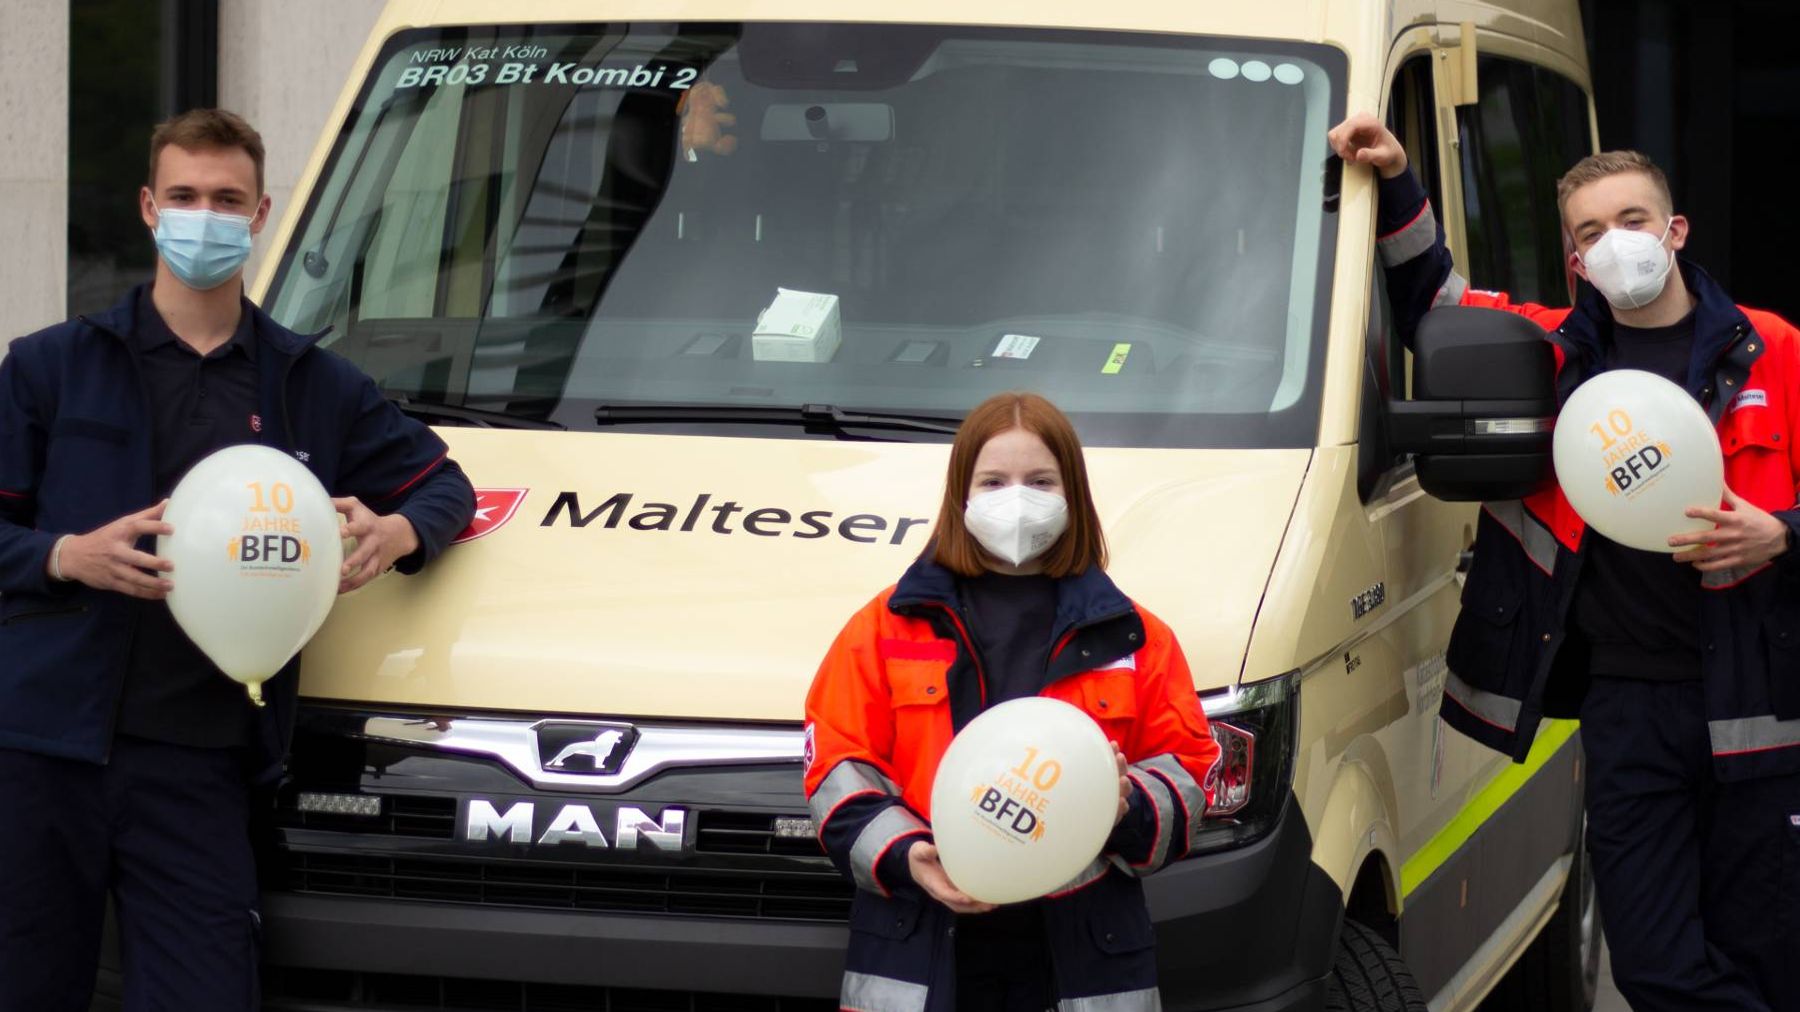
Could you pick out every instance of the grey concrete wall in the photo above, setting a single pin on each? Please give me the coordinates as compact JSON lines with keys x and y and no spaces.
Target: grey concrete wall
{"x":281,"y":66}
{"x":34,"y":164}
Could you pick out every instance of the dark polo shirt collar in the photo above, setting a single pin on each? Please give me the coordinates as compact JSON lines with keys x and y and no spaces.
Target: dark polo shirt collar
{"x":153,"y":333}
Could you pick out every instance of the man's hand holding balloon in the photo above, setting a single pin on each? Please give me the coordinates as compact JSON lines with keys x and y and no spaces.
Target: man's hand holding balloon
{"x":380,"y":542}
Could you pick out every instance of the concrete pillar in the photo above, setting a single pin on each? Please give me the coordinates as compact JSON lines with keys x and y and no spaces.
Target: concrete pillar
{"x":34,"y":164}
{"x":281,"y":66}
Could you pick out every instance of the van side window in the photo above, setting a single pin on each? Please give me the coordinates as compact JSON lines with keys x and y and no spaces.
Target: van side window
{"x":1412,"y":115}
{"x":1529,"y":127}
{"x":1378,"y":468}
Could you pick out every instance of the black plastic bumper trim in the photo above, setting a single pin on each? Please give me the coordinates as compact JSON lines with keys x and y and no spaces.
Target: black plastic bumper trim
{"x":1250,"y":929}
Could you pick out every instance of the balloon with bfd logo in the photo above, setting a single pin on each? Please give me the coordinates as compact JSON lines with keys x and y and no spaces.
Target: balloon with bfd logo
{"x":1024,"y":799}
{"x":1633,"y":453}
{"x":257,"y":551}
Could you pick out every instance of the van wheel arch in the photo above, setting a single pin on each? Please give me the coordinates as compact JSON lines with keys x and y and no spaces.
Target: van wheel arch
{"x":1368,"y":975}
{"x":1373,"y":900}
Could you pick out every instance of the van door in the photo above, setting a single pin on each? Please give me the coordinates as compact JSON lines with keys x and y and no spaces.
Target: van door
{"x":1482,"y":837}
{"x":1421,"y":539}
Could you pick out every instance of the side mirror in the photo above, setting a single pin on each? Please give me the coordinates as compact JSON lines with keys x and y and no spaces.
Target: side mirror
{"x":1483,"y":407}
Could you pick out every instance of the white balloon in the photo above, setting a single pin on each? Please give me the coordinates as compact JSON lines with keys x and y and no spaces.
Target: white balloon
{"x":257,"y":552}
{"x":1024,"y":799}
{"x":1633,"y":453}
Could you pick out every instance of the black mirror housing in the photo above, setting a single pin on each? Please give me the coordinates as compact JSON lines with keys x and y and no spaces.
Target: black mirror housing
{"x":1483,"y":408}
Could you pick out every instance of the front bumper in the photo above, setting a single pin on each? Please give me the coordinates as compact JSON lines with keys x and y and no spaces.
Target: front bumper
{"x":580,"y":951}
{"x":401,"y":918}
{"x":1249,"y":930}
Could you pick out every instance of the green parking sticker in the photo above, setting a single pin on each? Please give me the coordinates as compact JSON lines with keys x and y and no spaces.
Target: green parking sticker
{"x":1116,"y":360}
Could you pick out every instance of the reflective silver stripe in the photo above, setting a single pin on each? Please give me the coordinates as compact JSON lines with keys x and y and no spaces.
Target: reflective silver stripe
{"x":847,"y":779}
{"x":1094,"y":872}
{"x":1147,"y":1000}
{"x":1451,"y":292}
{"x":1539,"y":544}
{"x":1752,"y":734}
{"x":865,"y":992}
{"x":1160,"y":799}
{"x":1410,"y":241}
{"x":1511,"y":426}
{"x":1723,"y":578}
{"x":891,"y":824}
{"x":1187,"y":789}
{"x":1497,"y":710}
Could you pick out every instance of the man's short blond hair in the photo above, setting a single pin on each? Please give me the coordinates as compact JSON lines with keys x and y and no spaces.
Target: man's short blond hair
{"x":1594,"y":168}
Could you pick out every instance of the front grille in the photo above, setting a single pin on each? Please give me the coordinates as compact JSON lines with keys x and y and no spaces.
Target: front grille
{"x":786,"y":889}
{"x":750,"y":833}
{"x":434,"y":818}
{"x":562,"y":885}
{"x":286,"y":988}
{"x":401,"y":815}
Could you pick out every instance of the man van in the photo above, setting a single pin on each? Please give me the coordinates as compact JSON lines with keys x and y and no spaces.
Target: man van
{"x":697,"y":291}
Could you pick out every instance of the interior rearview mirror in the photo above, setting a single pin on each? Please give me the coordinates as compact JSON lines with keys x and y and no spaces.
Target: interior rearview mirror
{"x":829,"y":121}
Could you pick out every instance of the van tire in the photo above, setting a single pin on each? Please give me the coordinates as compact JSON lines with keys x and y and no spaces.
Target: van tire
{"x":1560,"y":972}
{"x":1369,"y":976}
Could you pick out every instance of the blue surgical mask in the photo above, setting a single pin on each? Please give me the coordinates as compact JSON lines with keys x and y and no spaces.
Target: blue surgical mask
{"x":202,"y":248}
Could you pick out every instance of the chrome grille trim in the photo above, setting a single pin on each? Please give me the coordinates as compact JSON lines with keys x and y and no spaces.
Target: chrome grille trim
{"x":514,"y":743}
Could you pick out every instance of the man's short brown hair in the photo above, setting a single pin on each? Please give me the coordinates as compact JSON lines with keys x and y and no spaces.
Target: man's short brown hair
{"x":1081,"y":546}
{"x":1594,"y":168}
{"x":204,"y":130}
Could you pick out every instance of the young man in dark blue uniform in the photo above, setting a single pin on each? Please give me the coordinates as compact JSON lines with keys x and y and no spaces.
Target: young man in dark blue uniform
{"x":127,"y":760}
{"x":1680,"y":669}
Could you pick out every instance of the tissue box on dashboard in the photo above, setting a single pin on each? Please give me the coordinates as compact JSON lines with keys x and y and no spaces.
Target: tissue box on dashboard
{"x":797,"y":327}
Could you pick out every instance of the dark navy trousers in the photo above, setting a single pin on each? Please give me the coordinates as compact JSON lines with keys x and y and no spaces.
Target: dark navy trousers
{"x":1698,"y":881}
{"x":165,"y":830}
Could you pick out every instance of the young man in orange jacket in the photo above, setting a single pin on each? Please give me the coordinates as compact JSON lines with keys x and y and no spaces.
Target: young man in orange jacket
{"x":1680,"y":669}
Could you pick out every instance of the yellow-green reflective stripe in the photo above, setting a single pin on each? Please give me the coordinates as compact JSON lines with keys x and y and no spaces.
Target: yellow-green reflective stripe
{"x":1552,"y":736}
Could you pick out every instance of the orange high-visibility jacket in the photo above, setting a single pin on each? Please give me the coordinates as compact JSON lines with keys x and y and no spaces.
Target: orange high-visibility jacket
{"x":879,"y":715}
{"x":1507,"y":665}
{"x":901,"y":677}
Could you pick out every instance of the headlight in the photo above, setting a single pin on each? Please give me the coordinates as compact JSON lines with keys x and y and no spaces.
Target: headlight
{"x":1255,"y":726}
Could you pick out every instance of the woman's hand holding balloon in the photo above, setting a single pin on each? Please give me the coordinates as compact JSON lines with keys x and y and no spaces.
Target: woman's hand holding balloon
{"x":380,"y":541}
{"x":1746,"y":537}
{"x":107,"y":558}
{"x":1124,"y":783}
{"x":922,"y":861}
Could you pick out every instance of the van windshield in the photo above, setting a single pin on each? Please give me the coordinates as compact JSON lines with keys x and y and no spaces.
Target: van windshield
{"x":587,"y":225}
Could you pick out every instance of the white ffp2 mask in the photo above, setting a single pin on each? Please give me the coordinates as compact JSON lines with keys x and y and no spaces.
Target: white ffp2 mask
{"x":1017,"y":522}
{"x":1629,"y":267}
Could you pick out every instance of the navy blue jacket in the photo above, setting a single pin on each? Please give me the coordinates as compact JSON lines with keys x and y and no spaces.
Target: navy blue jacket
{"x":1514,"y":657}
{"x":75,"y":455}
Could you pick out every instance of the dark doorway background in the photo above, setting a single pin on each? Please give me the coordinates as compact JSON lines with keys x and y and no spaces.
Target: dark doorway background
{"x":132,"y":64}
{"x":1711,"y":90}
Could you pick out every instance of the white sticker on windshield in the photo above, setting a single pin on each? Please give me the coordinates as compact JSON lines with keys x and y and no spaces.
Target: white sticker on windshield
{"x":1016,"y":346}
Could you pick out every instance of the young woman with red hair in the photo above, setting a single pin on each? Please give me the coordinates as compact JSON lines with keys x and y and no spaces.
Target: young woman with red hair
{"x":1009,"y":600}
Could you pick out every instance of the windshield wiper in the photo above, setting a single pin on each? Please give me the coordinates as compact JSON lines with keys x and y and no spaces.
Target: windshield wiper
{"x":814,"y":416}
{"x":468,"y":416}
